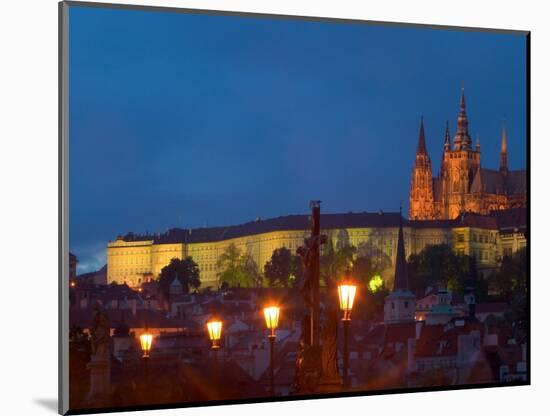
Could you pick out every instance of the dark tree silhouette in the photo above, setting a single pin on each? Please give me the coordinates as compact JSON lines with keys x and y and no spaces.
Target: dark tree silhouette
{"x":363,"y":270}
{"x":440,"y":265}
{"x":186,"y":271}
{"x":335,"y":262}
{"x":284,"y":269}
{"x":237,"y":269}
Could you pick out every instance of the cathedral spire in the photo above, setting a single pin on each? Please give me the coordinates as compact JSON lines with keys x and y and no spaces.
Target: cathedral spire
{"x":421,"y":149}
{"x":401,"y":280}
{"x":447,"y":144}
{"x":462,"y":138}
{"x":503,"y":152}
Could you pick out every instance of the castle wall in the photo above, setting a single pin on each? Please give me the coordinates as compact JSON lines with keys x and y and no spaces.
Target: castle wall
{"x":136,"y":262}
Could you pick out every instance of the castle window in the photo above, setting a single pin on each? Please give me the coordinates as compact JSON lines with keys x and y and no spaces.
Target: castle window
{"x":406,"y":304}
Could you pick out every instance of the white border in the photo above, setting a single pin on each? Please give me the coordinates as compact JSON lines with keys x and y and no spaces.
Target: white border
{"x":28,"y":168}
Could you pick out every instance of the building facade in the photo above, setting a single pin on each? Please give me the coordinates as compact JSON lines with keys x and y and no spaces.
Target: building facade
{"x":134,"y":259}
{"x":462,"y":184}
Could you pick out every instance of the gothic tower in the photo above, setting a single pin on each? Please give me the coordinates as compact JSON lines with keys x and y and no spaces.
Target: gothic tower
{"x":400,"y":304}
{"x":503,"y":154}
{"x":421,"y":201}
{"x":458,"y":169}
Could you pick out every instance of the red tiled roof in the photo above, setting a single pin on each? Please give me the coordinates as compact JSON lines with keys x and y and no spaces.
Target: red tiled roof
{"x":400,"y":332}
{"x":144,"y":317}
{"x":435,"y":341}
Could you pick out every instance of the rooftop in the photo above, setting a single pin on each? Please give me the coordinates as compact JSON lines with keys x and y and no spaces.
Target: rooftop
{"x":329,"y":221}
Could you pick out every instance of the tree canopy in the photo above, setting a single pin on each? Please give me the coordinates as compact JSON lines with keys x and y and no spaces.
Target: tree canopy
{"x":440,"y":265}
{"x":237,"y":269}
{"x":186,"y":271}
{"x":284,"y":269}
{"x":511,"y":281}
{"x":512,"y":274}
{"x":334,"y":262}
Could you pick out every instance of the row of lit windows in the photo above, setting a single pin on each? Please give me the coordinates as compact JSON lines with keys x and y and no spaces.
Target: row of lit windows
{"x":124,"y":272}
{"x":131,"y":260}
{"x":481,"y":238}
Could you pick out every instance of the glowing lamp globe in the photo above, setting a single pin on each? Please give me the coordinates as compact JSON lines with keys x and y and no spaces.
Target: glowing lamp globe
{"x":271,"y":314}
{"x":146,"y":341}
{"x":346,"y":295}
{"x":214,"y":332}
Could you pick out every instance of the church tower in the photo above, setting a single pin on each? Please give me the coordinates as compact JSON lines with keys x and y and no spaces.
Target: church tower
{"x":458,"y":169}
{"x":421,"y":201}
{"x":400,"y":304}
{"x":503,"y":153}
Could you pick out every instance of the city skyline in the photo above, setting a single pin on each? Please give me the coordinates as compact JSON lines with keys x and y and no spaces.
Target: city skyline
{"x":243,"y":99}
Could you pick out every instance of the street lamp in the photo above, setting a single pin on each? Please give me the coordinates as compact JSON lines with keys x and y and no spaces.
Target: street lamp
{"x":214,"y":327}
{"x":271,"y":314}
{"x":346,"y":295}
{"x":146,"y":341}
{"x":214,"y":332}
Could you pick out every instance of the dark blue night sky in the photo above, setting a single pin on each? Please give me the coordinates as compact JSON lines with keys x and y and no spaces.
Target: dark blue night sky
{"x":193,"y":120}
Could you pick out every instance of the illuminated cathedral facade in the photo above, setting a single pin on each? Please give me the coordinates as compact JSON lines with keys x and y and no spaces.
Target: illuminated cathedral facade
{"x":462,"y":185}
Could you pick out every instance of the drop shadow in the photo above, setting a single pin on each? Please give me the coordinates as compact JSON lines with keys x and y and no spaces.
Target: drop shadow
{"x":49,"y":404}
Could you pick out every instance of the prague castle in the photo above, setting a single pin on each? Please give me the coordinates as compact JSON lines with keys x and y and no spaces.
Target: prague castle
{"x":134,"y":259}
{"x":462,"y":184}
{"x":479,"y":212}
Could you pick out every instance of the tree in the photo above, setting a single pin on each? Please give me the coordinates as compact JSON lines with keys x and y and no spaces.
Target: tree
{"x":335,"y":262}
{"x":284,"y":268}
{"x":186,"y":271}
{"x":364,"y":269}
{"x":512,"y":275}
{"x":511,"y":280}
{"x":439,"y":265}
{"x":278,"y":269}
{"x":251,"y":270}
{"x":297,"y":272}
{"x":236,"y":269}
{"x":374,"y":295}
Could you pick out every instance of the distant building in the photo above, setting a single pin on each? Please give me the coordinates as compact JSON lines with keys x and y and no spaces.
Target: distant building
{"x":135,"y":259}
{"x":462,"y":185}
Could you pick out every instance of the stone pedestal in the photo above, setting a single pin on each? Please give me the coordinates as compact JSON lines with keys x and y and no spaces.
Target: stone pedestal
{"x":99,"y":394}
{"x":308,"y":370}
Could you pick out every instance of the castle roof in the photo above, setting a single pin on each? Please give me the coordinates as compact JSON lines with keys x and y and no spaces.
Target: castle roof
{"x":468,"y":219}
{"x":513,"y":218}
{"x":328,"y":222}
{"x":285,"y":223}
{"x":514,"y":182}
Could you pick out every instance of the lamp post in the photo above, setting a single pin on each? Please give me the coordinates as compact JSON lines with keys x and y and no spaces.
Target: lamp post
{"x":271,"y":314}
{"x":146,"y":341}
{"x":214,"y":332}
{"x":346,"y":296}
{"x":214,"y":327}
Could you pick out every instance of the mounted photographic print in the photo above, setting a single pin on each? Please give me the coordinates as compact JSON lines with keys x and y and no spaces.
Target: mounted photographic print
{"x":264,"y":208}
